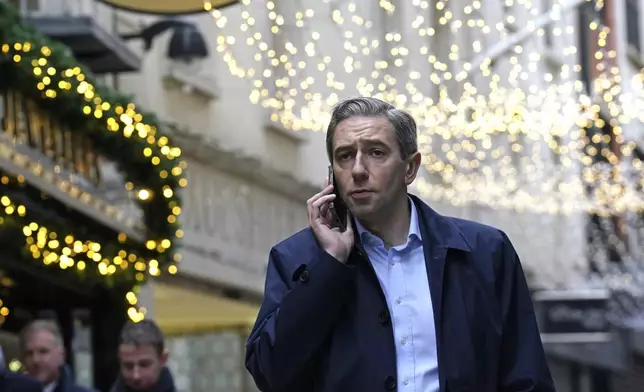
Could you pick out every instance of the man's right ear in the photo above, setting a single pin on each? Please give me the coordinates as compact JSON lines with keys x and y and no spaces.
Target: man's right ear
{"x":164,"y":356}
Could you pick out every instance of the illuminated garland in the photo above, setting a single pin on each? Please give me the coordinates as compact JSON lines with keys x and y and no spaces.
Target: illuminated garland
{"x":512,"y":133}
{"x":66,"y":251}
{"x":4,"y":312}
{"x":47,"y":72}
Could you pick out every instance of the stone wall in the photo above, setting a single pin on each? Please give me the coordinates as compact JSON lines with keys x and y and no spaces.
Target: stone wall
{"x":212,"y":362}
{"x":230,"y":225}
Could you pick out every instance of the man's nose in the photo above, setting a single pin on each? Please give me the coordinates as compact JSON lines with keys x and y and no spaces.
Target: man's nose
{"x":359,"y":170}
{"x":136,"y":374}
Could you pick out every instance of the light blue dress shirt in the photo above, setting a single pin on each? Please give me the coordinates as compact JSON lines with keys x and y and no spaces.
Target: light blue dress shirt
{"x":403,"y":278}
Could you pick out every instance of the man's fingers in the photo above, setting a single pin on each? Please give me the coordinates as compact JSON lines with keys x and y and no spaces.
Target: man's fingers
{"x":324,"y":210}
{"x":349,"y":228}
{"x":323,"y":201}
{"x":328,"y":189}
{"x":315,"y":207}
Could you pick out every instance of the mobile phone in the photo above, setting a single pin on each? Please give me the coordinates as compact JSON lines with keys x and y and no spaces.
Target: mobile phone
{"x":337,"y":207}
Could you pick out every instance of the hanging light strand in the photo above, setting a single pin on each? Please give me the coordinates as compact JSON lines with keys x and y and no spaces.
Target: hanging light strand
{"x":511,"y":132}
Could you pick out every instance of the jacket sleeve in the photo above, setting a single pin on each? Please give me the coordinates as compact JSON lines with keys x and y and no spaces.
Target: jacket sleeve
{"x":295,"y":318}
{"x":523,"y":365}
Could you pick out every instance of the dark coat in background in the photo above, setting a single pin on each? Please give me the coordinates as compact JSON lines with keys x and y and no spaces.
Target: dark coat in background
{"x":324,"y":326}
{"x":164,"y":384}
{"x":14,"y":382}
{"x":66,"y":382}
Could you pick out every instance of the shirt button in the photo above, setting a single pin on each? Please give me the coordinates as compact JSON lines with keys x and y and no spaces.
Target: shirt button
{"x":390,"y":383}
{"x":406,"y":382}
{"x":404,"y":341}
{"x":383,"y":317}
{"x":398,"y":300}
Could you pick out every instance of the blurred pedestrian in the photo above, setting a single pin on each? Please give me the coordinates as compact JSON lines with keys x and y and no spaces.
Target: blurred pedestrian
{"x":14,"y":382}
{"x":143,"y":358}
{"x":43,"y":356}
{"x":398,"y":298}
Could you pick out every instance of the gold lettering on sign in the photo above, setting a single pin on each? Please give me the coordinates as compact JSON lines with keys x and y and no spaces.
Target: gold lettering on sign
{"x":254,"y":218}
{"x":192,"y":217}
{"x":24,"y":121}
{"x":3,"y":113}
{"x":22,"y":134}
{"x":208,"y":205}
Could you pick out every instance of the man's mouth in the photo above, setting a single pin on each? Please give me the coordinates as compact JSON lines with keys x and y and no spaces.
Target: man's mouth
{"x":360,"y":193}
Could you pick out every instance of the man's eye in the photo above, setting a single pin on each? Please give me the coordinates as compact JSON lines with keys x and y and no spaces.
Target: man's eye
{"x":344,"y":157}
{"x":377,"y":153}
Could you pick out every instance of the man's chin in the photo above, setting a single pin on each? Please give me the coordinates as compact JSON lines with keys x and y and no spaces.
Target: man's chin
{"x":362,"y":212}
{"x":137,"y":387}
{"x":44,"y":378}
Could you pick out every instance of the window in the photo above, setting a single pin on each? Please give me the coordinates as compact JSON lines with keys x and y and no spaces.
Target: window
{"x":546,"y":7}
{"x":552,"y":75}
{"x":510,"y":17}
{"x":607,"y":235}
{"x":587,"y":40}
{"x":26,"y":6}
{"x":585,"y":16}
{"x":633,"y":25}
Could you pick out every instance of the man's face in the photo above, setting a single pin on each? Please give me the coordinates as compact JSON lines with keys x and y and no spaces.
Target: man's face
{"x":141,"y":365}
{"x":43,"y":355}
{"x":368,"y":166}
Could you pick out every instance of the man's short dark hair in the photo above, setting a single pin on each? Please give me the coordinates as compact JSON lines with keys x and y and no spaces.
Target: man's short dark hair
{"x":141,"y":333}
{"x":402,"y":123}
{"x":40,"y":325}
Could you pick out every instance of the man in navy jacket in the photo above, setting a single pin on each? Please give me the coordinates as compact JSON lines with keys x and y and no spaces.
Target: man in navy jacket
{"x":403,"y":298}
{"x":14,"y":382}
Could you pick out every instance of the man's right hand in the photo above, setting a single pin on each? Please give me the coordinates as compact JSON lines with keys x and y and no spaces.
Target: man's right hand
{"x":336,"y":243}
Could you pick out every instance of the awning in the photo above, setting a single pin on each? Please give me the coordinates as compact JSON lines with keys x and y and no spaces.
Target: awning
{"x":180,"y":310}
{"x":167,"y":7}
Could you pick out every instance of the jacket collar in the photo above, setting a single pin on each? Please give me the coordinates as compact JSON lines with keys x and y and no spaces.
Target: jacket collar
{"x":438,"y":229}
{"x":435,"y":228}
{"x":414,"y":227}
{"x":65,"y":380}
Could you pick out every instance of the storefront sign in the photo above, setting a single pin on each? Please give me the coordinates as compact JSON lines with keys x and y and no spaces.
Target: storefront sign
{"x":573,"y":316}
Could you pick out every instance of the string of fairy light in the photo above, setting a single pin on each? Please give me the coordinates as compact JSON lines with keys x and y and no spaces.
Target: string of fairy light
{"x":125,"y":120}
{"x":65,"y":250}
{"x":510,"y":133}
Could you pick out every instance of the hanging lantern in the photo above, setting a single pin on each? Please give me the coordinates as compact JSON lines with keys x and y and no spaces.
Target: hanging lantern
{"x":167,"y":7}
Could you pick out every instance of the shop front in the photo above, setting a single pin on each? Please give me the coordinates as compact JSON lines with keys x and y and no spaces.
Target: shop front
{"x":89,"y":201}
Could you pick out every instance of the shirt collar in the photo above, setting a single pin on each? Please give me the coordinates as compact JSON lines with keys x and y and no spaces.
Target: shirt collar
{"x":50,"y":387}
{"x":414,"y":229}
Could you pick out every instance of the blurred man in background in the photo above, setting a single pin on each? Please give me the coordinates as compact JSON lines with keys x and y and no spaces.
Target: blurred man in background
{"x":43,"y":355}
{"x":143,"y":357}
{"x":14,"y":382}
